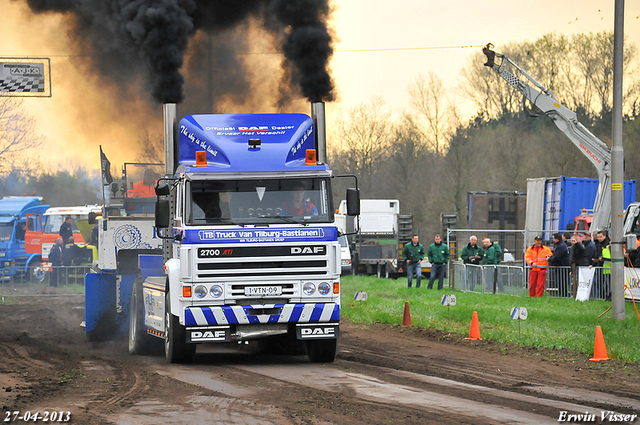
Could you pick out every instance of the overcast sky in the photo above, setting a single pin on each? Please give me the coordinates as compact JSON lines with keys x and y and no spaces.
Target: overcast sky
{"x":382,"y":46}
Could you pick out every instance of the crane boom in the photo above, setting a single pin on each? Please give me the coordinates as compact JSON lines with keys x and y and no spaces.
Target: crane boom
{"x":566,"y":120}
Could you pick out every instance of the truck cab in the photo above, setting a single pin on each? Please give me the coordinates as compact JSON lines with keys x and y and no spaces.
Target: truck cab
{"x":250,"y":247}
{"x":14,"y":258}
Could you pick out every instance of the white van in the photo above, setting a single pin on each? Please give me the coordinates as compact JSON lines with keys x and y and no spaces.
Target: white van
{"x":345,"y":255}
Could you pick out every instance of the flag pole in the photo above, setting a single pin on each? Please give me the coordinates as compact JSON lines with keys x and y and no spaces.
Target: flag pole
{"x":104,"y":201}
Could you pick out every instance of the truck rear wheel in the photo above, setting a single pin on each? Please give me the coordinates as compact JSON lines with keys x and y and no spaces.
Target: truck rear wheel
{"x":322,"y":351}
{"x":176,"y":349}
{"x":140,"y":342}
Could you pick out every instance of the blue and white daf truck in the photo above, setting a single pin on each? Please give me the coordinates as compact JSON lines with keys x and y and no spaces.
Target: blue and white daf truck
{"x":250,"y":248}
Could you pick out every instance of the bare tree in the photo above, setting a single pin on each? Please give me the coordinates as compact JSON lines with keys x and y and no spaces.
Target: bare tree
{"x":579,"y":71}
{"x":17,"y":137}
{"x":364,"y":135}
{"x":429,"y":101}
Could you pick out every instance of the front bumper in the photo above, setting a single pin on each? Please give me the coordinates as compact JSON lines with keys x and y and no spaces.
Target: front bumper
{"x":261,"y":314}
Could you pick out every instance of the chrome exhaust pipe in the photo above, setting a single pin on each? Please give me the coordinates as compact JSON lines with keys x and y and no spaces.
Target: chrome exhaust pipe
{"x":170,"y":114}
{"x":317,"y":114}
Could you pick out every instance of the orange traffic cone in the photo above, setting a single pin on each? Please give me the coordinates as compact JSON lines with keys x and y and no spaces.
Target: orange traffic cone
{"x":406,"y":318}
{"x":599,"y":349}
{"x":474,"y":334}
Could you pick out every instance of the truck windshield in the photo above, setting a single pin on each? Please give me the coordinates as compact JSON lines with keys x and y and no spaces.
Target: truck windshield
{"x":6,"y":230}
{"x":264,"y":201}
{"x":52,"y":223}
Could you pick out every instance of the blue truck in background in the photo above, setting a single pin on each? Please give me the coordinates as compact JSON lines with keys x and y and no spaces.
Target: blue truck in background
{"x":240,"y":244}
{"x":13,"y":257}
{"x":559,"y":204}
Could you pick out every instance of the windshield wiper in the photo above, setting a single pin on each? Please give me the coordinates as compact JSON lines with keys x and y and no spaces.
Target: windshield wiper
{"x":286,"y":219}
{"x":217,"y":220}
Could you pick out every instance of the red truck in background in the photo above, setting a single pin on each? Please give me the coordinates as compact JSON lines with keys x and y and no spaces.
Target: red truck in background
{"x":42,"y":230}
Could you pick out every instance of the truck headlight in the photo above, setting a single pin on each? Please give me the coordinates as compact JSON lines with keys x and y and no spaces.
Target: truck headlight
{"x":216,"y":291}
{"x":200,"y":291}
{"x":324,"y":288}
{"x":309,"y":288}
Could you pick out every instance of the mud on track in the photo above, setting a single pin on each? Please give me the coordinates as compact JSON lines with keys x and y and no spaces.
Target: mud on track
{"x":383,"y":375}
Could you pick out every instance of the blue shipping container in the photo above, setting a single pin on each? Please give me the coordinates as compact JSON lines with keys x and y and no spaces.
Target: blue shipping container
{"x":565,"y":198}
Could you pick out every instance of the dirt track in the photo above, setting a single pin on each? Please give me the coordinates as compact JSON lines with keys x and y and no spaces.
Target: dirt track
{"x":383,"y":375}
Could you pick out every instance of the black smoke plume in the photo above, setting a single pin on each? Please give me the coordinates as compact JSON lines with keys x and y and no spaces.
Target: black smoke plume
{"x":132,"y":40}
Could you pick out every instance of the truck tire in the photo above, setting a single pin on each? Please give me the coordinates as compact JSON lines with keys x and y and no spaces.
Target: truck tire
{"x":176,"y":349}
{"x":140,"y":342}
{"x":322,"y":351}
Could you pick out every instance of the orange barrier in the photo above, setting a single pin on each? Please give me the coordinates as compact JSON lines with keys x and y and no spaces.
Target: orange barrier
{"x":406,"y":318}
{"x":474,"y":333}
{"x":599,"y":349}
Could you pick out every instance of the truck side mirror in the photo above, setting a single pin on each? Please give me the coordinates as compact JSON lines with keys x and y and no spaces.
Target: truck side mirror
{"x":163,"y":215}
{"x":163,"y":189}
{"x":353,"y":202}
{"x":92,"y":217}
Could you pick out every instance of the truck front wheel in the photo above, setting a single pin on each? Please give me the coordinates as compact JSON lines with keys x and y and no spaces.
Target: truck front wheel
{"x":322,"y":351}
{"x":176,"y":349}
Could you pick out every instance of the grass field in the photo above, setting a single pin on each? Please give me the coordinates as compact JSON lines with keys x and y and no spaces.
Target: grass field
{"x":551,"y":322}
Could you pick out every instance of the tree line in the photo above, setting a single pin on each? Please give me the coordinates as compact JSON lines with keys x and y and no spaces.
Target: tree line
{"x":426,"y":155}
{"x":429,"y":159}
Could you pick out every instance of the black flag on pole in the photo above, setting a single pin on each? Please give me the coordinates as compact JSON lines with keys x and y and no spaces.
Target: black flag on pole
{"x":106,"y":169}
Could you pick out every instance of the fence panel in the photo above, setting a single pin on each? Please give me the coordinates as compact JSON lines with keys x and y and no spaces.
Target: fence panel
{"x":36,"y":281}
{"x":508,"y":279}
{"x":514,"y":280}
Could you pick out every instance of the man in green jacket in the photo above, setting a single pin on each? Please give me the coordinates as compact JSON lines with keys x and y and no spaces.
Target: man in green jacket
{"x":413,"y":253}
{"x":490,"y":263}
{"x":471,"y":256}
{"x":438,"y":254}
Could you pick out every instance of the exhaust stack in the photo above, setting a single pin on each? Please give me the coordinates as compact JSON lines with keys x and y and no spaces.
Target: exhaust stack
{"x":317,"y":114}
{"x":170,"y":114}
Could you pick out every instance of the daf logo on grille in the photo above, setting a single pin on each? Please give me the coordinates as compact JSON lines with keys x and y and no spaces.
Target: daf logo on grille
{"x":307,"y":249}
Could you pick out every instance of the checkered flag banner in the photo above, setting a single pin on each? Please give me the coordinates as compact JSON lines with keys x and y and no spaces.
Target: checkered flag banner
{"x":24,"y":77}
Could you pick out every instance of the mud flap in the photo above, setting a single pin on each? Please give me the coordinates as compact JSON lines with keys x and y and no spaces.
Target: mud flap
{"x":317,"y":330}
{"x":123,"y":308}
{"x":100,"y":306}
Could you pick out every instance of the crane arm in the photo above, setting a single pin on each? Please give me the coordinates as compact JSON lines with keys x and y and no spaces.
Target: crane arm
{"x":566,"y":120}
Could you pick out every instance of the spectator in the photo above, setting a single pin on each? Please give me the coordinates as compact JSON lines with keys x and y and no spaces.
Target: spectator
{"x":578,"y":259}
{"x":298,"y":205}
{"x":55,"y":256}
{"x":68,"y":249}
{"x":471,"y":256}
{"x":536,"y":258}
{"x":66,"y":229}
{"x":601,"y":242}
{"x":606,"y":272}
{"x":413,"y":253}
{"x":560,"y":261}
{"x":589,"y":248}
{"x":490,"y":266}
{"x":438,"y":254}
{"x":145,"y":188}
